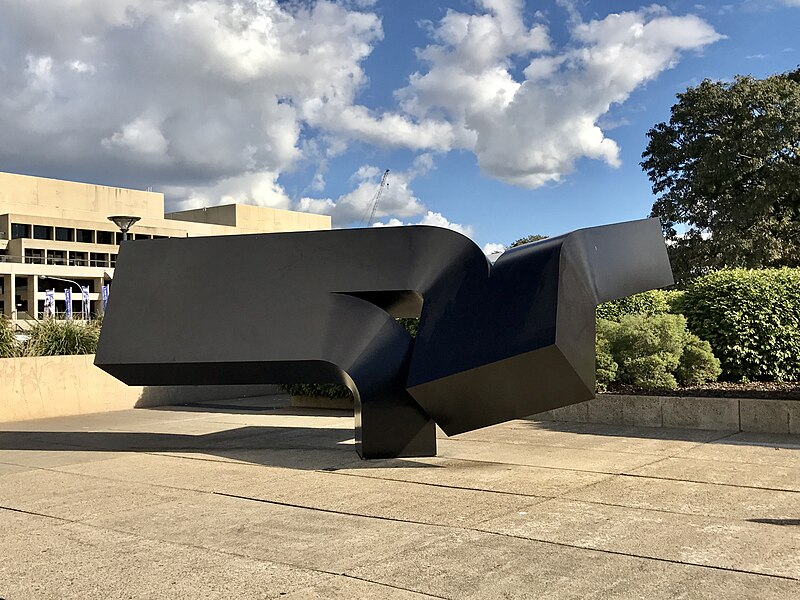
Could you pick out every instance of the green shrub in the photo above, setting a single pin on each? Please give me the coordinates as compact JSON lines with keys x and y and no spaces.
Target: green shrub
{"x":325,"y":390}
{"x":653,"y":302}
{"x":52,"y":337}
{"x":751,"y":319}
{"x":698,"y":364}
{"x":605,"y":365}
{"x":335,"y":390}
{"x":9,"y":346}
{"x":652,"y":352}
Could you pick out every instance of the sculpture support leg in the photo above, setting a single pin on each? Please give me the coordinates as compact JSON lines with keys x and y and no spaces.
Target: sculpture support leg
{"x":393,"y":426}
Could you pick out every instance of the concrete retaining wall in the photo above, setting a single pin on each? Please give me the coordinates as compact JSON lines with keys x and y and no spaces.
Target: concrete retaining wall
{"x":59,"y":386}
{"x":728,"y":414}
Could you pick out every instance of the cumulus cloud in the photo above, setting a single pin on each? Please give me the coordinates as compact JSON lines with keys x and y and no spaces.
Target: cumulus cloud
{"x":529,"y":131}
{"x":260,"y":188}
{"x":189,"y":94}
{"x":430,"y":218}
{"x":397,"y":199}
{"x":213,"y":100}
{"x":493,"y":248}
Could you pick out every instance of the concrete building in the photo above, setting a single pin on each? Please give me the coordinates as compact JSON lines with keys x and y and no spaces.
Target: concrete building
{"x":60,"y":230}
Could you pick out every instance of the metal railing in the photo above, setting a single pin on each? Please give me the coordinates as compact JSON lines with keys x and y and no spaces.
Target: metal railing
{"x":66,"y":262}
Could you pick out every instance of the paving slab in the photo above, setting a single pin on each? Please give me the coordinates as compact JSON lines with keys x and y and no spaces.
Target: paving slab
{"x":704,"y":499}
{"x":6,"y":468}
{"x":616,"y":438}
{"x":76,"y":497}
{"x":57,"y":455}
{"x":370,"y":497}
{"x":204,"y":501}
{"x":724,"y":472}
{"x":770,"y":450}
{"x":479,"y":565}
{"x":15,"y":522}
{"x":78,"y":561}
{"x":509,"y":479}
{"x":302,"y":458}
{"x":577,"y":459}
{"x":315,"y":539}
{"x":721,"y":543}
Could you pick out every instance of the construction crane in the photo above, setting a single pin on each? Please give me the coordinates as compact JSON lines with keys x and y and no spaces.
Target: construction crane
{"x":374,"y":203}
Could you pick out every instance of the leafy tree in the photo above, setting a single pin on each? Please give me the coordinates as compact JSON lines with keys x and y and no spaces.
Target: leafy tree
{"x":726,"y":170}
{"x":527,"y":240}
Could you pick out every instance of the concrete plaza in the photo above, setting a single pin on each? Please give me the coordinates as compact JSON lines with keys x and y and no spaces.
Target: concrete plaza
{"x":252,"y":499}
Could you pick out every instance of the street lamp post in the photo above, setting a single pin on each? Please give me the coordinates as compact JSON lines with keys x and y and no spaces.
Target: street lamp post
{"x":124,"y":222}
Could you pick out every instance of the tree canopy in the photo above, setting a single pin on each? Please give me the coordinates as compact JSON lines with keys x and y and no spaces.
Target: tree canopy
{"x":726,"y":170}
{"x":527,"y":240}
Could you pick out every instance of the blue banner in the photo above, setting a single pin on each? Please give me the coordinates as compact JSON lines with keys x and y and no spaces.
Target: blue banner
{"x":104,"y":293}
{"x":68,"y":302}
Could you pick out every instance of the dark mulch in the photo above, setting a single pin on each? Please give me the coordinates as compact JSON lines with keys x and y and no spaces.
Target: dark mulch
{"x":773,"y":390}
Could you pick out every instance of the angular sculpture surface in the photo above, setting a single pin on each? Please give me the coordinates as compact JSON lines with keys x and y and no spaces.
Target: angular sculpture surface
{"x":495,"y":342}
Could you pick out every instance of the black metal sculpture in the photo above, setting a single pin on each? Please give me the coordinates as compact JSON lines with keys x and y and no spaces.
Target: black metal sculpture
{"x":495,"y":342}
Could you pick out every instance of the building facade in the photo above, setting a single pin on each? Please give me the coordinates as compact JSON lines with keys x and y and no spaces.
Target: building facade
{"x":52,"y":231}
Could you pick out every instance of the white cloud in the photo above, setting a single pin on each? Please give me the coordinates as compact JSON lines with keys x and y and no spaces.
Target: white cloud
{"x":531,"y":131}
{"x":215,"y":99}
{"x":251,"y":188}
{"x":430,"y":218}
{"x":355,"y":207}
{"x":493,"y":248}
{"x":141,"y":136}
{"x":397,"y":206}
{"x":186,"y":94}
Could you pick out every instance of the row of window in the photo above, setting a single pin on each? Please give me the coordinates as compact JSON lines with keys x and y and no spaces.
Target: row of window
{"x":68,"y":234}
{"x":37,"y":256}
{"x":21,"y":285}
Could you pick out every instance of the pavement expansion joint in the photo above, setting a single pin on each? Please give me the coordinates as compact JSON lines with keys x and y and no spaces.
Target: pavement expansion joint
{"x":714,"y":483}
{"x":37,"y":514}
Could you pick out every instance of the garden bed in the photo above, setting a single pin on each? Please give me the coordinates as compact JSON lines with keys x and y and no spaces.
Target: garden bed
{"x":769,"y":390}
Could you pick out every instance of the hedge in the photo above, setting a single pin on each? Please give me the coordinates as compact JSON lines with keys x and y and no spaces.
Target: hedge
{"x":752,"y":320}
{"x":653,"y":302}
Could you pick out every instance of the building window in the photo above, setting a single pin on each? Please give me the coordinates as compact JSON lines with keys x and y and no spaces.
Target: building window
{"x":56,"y":257}
{"x":85,"y":236}
{"x":141,"y":236}
{"x":65,"y":234}
{"x":18,"y":230}
{"x":34,"y":256}
{"x":105,"y":237}
{"x":78,"y":259}
{"x":98,"y":260}
{"x":119,"y":237}
{"x":42,"y":232}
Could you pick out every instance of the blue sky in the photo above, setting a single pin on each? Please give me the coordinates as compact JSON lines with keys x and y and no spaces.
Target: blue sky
{"x":499,"y":118}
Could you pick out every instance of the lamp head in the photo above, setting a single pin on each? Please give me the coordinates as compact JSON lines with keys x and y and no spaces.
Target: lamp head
{"x":124,"y":222}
